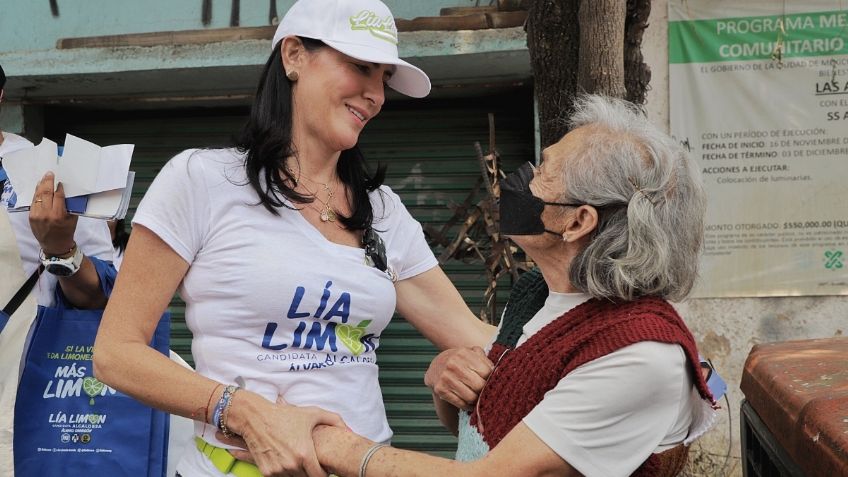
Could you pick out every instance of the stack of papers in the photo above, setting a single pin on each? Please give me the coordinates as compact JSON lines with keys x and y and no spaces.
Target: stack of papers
{"x":97,"y":180}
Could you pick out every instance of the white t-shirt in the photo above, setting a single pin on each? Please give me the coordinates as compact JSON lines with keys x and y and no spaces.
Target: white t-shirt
{"x":91,"y":235}
{"x":273,"y":305}
{"x":607,"y":416}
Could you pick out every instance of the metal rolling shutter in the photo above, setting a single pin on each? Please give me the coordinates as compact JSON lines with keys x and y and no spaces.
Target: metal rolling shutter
{"x":158,"y":135}
{"x":428,"y":147}
{"x":432,"y":163}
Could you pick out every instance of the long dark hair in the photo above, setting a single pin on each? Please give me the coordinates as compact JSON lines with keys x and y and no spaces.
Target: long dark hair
{"x":266,"y":140}
{"x":122,"y":237}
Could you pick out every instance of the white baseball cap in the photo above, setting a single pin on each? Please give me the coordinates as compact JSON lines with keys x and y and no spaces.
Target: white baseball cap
{"x":361,"y":29}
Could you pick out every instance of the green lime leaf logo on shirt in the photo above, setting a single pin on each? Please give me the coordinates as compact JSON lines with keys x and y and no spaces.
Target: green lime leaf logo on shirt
{"x":92,"y":387}
{"x":350,"y":336}
{"x":93,"y":418}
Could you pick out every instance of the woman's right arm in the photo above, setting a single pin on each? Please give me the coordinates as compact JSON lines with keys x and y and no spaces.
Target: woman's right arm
{"x":278,"y":435}
{"x":123,"y":358}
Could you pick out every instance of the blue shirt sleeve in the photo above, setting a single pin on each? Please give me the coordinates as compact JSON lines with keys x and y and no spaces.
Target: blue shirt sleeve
{"x":106,"y":272}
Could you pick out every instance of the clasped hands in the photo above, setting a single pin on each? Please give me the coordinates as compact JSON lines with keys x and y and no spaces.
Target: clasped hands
{"x":456,"y":376}
{"x":278,"y":436}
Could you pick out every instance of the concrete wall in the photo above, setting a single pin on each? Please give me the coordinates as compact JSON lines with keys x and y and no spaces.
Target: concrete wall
{"x":30,"y":25}
{"x":726,"y":329}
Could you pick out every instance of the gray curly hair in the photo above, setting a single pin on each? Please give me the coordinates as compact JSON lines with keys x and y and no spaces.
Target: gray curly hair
{"x":650,"y":202}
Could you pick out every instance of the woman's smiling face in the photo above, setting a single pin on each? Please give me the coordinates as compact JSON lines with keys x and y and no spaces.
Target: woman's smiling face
{"x":336,"y":96}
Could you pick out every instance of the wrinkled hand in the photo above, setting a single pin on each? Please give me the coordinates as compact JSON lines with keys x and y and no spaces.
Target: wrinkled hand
{"x":50,"y":222}
{"x":280,"y":444}
{"x":458,"y":375}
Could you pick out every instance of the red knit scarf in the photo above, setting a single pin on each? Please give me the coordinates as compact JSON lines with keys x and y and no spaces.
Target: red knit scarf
{"x":587,"y":332}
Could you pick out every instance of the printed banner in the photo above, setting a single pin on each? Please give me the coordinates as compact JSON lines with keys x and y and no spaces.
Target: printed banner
{"x":759,"y":96}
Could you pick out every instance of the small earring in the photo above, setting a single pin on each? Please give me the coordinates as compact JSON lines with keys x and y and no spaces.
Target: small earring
{"x":292,"y":76}
{"x":565,"y":238}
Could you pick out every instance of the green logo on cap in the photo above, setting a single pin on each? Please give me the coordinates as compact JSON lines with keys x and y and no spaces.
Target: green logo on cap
{"x":382,"y":28}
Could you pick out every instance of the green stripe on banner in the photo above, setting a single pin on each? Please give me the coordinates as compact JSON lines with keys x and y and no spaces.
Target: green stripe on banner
{"x":756,"y":38}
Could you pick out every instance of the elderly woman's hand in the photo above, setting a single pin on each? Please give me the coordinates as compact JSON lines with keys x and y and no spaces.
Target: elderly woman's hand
{"x":278,"y":437}
{"x":458,"y":375}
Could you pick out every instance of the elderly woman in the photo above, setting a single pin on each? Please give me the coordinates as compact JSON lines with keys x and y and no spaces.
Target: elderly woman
{"x":594,"y":372}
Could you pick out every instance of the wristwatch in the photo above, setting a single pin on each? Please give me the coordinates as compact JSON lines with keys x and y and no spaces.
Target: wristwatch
{"x":63,"y":266}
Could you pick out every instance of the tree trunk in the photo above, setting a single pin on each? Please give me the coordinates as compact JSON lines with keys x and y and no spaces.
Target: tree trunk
{"x":553,"y":40}
{"x":600,"y":67}
{"x":637,"y":75}
{"x":591,"y":46}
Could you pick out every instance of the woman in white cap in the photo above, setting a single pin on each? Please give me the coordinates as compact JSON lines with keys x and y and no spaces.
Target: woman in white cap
{"x":290,"y":255}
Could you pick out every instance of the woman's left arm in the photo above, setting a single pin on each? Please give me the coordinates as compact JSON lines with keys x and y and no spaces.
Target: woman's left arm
{"x":431,"y":303}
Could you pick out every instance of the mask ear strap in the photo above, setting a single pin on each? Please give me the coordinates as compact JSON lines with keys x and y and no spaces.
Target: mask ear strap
{"x":564,"y":235}
{"x":562,"y":204}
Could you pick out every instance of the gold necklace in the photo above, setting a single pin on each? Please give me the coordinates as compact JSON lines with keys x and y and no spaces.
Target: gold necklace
{"x":329,"y":220}
{"x":326,"y":213}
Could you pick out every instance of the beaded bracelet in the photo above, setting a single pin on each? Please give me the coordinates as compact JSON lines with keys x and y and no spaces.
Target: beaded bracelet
{"x":368,"y":455}
{"x":223,"y":402}
{"x":226,"y":412}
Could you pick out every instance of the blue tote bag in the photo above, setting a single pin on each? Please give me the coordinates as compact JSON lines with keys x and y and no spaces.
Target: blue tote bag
{"x":68,"y":421}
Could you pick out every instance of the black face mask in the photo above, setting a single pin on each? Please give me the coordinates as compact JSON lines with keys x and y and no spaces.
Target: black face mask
{"x":520,"y":210}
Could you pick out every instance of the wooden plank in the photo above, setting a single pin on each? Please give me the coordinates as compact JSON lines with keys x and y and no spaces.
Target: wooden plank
{"x":507,"y":19}
{"x":186,"y":37}
{"x":451,"y":11}
{"x":477,"y":21}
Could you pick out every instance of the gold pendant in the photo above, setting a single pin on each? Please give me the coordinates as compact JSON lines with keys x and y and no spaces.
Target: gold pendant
{"x":327,"y":214}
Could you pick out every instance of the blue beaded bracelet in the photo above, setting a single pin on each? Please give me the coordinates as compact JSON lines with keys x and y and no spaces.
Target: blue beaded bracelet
{"x":221,"y":406}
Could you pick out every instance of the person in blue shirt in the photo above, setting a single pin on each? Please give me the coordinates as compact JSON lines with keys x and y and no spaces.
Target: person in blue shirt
{"x":52,"y":237}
